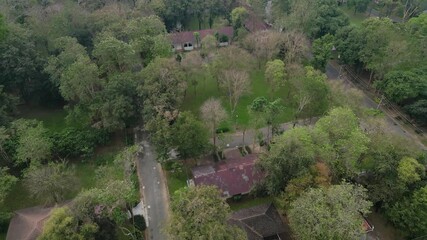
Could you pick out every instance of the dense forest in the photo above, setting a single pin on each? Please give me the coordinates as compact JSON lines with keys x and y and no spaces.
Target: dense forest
{"x":111,"y":67}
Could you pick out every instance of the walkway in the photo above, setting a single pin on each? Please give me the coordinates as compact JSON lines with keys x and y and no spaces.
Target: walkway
{"x":155,"y":197}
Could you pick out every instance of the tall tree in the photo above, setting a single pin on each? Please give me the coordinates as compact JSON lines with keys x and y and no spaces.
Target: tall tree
{"x":63,"y":225}
{"x":345,"y":140}
{"x":163,"y":87}
{"x":50,"y":182}
{"x":235,"y":83}
{"x":322,"y":51}
{"x":200,"y":212}
{"x":6,"y":183}
{"x":213,"y":114}
{"x":264,"y":45}
{"x":190,"y":136}
{"x":330,"y":213}
{"x":275,"y":74}
{"x":290,"y":155}
{"x":410,"y":214}
{"x":34,"y":146}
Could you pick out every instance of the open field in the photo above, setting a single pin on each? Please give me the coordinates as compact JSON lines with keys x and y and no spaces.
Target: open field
{"x":208,"y":88}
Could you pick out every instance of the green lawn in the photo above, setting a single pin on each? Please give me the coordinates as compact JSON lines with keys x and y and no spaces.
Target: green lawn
{"x":247,"y":202}
{"x":176,"y":181}
{"x":208,"y":88}
{"x":355,"y":18}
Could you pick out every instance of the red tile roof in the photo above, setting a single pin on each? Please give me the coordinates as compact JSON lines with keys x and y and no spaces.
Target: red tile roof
{"x":234,"y":176}
{"x":185,"y":37}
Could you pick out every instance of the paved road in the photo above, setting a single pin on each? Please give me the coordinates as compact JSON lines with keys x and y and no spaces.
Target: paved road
{"x":154,"y":191}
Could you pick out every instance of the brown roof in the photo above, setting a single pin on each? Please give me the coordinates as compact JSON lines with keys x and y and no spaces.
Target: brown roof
{"x":235,"y":175}
{"x":27,"y":224}
{"x":261,"y":222}
{"x":188,"y":36}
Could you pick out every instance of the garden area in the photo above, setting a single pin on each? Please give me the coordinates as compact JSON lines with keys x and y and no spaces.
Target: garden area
{"x":208,"y":88}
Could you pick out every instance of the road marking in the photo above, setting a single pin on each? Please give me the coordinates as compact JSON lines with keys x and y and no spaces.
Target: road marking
{"x":158,"y":182}
{"x":148,"y":206}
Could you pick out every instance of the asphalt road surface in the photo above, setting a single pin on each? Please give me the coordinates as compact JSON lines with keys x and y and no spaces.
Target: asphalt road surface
{"x":154,"y":191}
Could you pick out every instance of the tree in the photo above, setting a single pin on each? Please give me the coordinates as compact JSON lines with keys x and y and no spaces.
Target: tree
{"x":33,"y":144}
{"x":194,"y":68}
{"x":275,"y":74}
{"x":322,"y":51}
{"x":359,"y":5}
{"x":329,"y":19}
{"x":21,"y":65}
{"x":7,"y":107}
{"x":330,"y":213}
{"x":200,"y":212}
{"x":209,"y":43}
{"x":190,"y":136}
{"x":401,"y":86}
{"x":163,"y":88}
{"x":350,"y":41}
{"x":410,"y":214}
{"x":410,"y":170}
{"x":290,"y":155}
{"x":412,"y":8}
{"x":3,"y":28}
{"x":114,"y":56}
{"x":236,"y":83}
{"x":295,"y":47}
{"x":63,"y":225}
{"x":6,"y":183}
{"x":238,"y":17}
{"x":264,"y":45}
{"x":418,"y":110}
{"x":213,"y":114}
{"x":50,"y":182}
{"x":267,"y":113}
{"x":346,"y":142}
{"x":161,"y":136}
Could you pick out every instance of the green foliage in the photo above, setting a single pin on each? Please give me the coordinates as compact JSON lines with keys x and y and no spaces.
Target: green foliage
{"x":200,"y":212}
{"x":163,"y":87}
{"x":359,"y":5}
{"x":74,"y":142}
{"x":50,"y":182}
{"x":410,"y":214}
{"x":275,"y":73}
{"x":3,"y":28}
{"x":410,"y":170}
{"x":62,"y":225}
{"x":6,"y":183}
{"x":322,"y":51}
{"x":418,"y":110}
{"x":418,"y":25}
{"x":349,"y":43}
{"x":238,"y":17}
{"x":344,"y":144}
{"x":330,"y":213}
{"x":401,"y":86}
{"x":34,"y":146}
{"x":290,"y":155}
{"x":7,"y":107}
{"x":190,"y":136}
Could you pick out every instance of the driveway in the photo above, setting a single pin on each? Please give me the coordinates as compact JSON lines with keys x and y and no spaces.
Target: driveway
{"x":153,"y":189}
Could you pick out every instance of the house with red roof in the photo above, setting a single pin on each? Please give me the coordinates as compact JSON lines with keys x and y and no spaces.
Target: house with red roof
{"x":189,"y":40}
{"x":234,"y":176}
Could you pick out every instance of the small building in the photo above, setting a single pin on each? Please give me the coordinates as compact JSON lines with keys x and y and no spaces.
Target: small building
{"x":234,"y":176}
{"x":188,"y":41}
{"x":27,"y":224}
{"x":261,"y":222}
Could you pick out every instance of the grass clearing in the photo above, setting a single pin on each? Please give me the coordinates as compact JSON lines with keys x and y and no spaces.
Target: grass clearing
{"x":355,"y":18}
{"x":248,"y":201}
{"x":176,"y":181}
{"x":208,"y":88}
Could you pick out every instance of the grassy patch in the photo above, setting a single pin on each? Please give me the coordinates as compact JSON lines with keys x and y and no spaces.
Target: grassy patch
{"x":247,"y":202}
{"x":208,"y":88}
{"x":355,"y":18}
{"x":176,"y":181}
{"x":53,"y":119}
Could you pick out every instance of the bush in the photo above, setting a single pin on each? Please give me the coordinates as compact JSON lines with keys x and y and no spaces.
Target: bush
{"x":222,"y":129}
{"x":73,"y":142}
{"x":4,"y":221}
{"x":139,"y":222}
{"x":223,"y":38}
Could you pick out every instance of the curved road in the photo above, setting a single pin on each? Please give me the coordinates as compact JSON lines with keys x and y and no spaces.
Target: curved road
{"x":155,"y":197}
